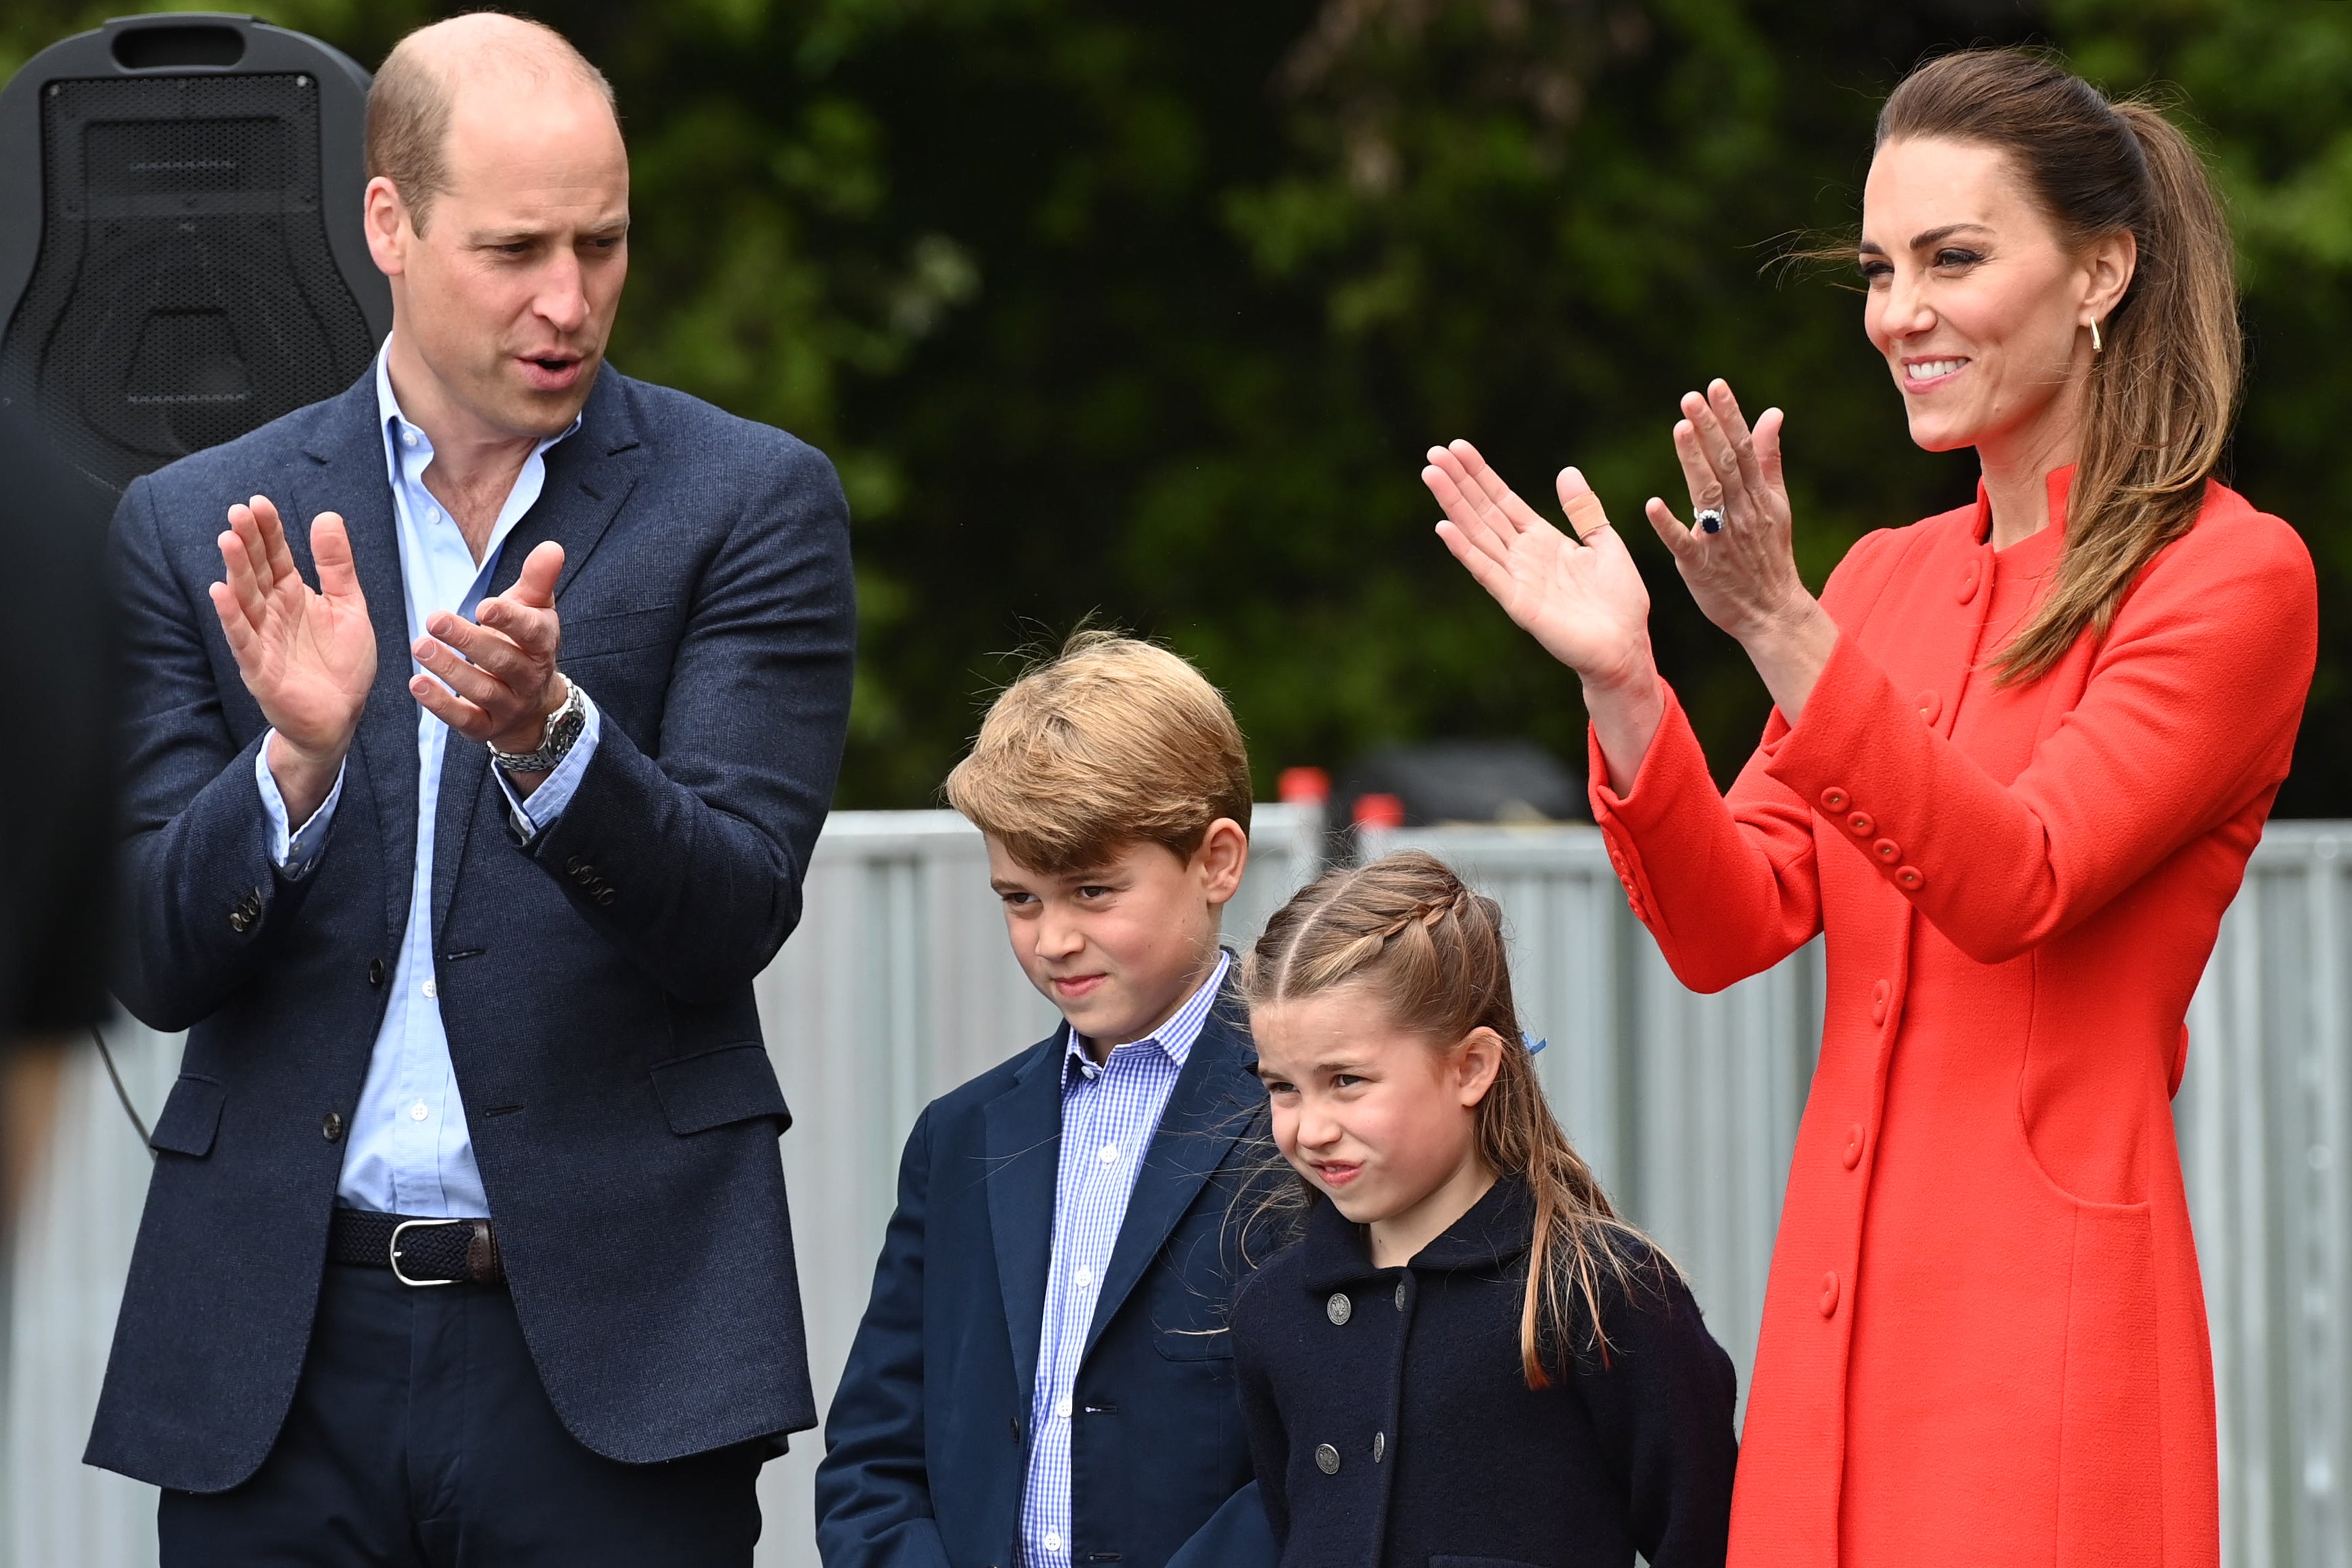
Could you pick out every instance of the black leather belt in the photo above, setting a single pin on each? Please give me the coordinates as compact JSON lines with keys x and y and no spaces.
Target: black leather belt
{"x":418,"y":1251}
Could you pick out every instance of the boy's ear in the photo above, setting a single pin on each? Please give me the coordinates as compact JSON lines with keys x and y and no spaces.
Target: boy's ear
{"x":1221,"y":859}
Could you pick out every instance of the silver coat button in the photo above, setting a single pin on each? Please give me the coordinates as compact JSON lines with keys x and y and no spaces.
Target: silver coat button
{"x":1327,"y":1458}
{"x":1400,"y":1294}
{"x":1338,"y":1308}
{"x":1380,"y":1445}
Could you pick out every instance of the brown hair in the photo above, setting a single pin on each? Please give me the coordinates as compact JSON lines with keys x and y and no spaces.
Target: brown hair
{"x":1109,"y":743}
{"x":2163,"y":391}
{"x":410,"y":101}
{"x":1405,"y":928}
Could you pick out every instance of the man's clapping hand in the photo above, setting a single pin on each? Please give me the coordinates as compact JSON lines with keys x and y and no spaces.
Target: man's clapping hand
{"x":505,"y":686}
{"x":307,"y":656}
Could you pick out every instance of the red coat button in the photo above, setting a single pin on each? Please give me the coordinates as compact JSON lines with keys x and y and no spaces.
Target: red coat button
{"x":1829,"y":1294}
{"x":1852,"y":1155}
{"x":1908,"y":878}
{"x":1863,"y":822}
{"x":1887,"y":849}
{"x":1969,"y":580}
{"x":1930,"y":706}
{"x":1833,"y":799}
{"x":1878,"y":996}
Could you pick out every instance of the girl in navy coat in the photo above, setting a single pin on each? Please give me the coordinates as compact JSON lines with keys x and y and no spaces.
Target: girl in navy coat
{"x":1464,"y":1360}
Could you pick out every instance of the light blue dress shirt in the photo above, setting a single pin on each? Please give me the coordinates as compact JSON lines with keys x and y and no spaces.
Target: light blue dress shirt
{"x":408,"y":1149}
{"x":1109,"y":1111}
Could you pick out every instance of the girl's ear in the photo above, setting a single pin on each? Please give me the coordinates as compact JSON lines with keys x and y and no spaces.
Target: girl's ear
{"x":1475,"y":1064}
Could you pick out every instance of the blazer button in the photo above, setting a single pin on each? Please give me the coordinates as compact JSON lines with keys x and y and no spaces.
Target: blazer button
{"x":1327,"y":1458}
{"x":1852,"y":1155}
{"x":1887,"y":849}
{"x":375,"y":972}
{"x":1909,"y":881}
{"x":1878,"y":996}
{"x":1833,"y":799}
{"x":239,"y":920}
{"x":1338,"y":1308}
{"x":604,"y":896}
{"x":1861,"y":822}
{"x":330,"y":1127}
{"x":1930,"y":706}
{"x":1829,"y":1294}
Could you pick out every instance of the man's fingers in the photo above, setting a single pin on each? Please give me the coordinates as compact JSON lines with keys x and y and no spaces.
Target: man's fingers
{"x":486,"y":647}
{"x":452,"y":710}
{"x":331,"y":547}
{"x":535,"y":631}
{"x":234,"y":626}
{"x":470,"y":681}
{"x":535,"y":583}
{"x":238,"y":577}
{"x":277,"y":558}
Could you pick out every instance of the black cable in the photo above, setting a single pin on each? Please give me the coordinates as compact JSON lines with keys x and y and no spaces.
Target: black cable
{"x":121,"y":1093}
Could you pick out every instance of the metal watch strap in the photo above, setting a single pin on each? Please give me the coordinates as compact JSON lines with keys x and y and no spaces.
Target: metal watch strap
{"x":564,"y":727}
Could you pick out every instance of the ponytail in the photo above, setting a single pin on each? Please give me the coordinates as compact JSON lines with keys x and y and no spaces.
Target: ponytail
{"x":2165,"y":388}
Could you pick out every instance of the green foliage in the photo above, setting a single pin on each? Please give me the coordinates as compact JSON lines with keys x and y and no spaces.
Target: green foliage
{"x":1151,"y":310}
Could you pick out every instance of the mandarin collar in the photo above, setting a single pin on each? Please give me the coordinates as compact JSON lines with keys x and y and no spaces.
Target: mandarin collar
{"x":2058,"y":485}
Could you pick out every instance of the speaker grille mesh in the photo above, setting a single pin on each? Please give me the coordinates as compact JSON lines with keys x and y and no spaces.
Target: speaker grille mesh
{"x":185,"y":292}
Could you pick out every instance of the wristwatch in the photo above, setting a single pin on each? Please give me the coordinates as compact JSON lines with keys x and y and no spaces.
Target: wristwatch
{"x":564,"y":727}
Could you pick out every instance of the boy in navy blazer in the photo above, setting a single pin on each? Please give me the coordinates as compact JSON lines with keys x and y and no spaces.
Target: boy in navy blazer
{"x":1044,"y":1375}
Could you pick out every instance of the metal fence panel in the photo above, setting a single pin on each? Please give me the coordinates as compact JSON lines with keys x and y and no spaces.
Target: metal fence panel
{"x":898,"y":986}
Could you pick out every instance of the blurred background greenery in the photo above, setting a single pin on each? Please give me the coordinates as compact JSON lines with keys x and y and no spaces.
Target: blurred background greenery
{"x":1149,"y":309}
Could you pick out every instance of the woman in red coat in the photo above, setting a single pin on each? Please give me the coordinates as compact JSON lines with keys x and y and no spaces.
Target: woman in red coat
{"x":2018,"y":756}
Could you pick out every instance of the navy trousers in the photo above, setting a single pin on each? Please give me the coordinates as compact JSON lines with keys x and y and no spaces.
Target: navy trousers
{"x":421,"y":1437}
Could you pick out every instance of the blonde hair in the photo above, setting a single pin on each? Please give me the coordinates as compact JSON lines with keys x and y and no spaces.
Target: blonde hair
{"x":1112,"y":742}
{"x":2162,"y":393}
{"x":1407,"y":930}
{"x":410,"y":101}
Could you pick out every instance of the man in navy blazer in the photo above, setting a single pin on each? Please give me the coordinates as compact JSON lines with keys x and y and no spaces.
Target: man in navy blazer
{"x":467,"y":1241}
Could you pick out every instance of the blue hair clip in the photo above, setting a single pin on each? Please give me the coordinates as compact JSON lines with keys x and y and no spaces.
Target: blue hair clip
{"x":1534,"y":1047}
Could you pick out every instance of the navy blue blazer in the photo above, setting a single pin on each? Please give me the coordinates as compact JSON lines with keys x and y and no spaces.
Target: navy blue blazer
{"x":927,"y":1440}
{"x":596,"y":986}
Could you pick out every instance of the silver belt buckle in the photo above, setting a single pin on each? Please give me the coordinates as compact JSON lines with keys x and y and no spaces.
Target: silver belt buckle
{"x":408,"y":1224}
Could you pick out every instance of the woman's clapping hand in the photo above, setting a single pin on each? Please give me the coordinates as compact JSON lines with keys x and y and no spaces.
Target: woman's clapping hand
{"x":1579,"y":594}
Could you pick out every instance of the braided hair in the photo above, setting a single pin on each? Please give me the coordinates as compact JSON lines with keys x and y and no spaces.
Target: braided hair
{"x":1406,"y":927}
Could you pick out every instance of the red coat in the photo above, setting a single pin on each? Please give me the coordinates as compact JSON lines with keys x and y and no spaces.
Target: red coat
{"x":1984,"y":1340}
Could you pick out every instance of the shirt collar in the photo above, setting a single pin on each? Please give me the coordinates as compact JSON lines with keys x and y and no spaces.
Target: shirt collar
{"x":394,"y":421}
{"x":1174,"y":1038}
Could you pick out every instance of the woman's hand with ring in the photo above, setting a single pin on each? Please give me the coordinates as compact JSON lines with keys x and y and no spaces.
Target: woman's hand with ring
{"x":1744,"y":574}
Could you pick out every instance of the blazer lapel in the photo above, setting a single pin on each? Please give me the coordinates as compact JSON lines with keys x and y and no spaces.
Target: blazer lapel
{"x":1024,"y":1152}
{"x":588,"y":479}
{"x":1211,"y":1105}
{"x":352,"y":481}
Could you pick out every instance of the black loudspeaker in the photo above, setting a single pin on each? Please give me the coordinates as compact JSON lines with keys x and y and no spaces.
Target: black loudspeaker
{"x":181,"y":251}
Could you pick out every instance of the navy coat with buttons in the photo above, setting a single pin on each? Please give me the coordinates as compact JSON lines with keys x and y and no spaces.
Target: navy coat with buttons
{"x":1392,"y":1424}
{"x":927,"y":1441}
{"x":595,"y":983}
